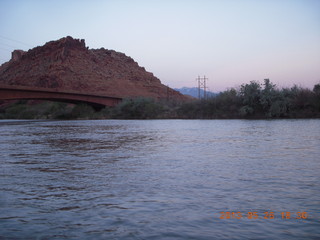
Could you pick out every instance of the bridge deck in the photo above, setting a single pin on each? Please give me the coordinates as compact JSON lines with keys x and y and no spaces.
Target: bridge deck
{"x":14,"y":93}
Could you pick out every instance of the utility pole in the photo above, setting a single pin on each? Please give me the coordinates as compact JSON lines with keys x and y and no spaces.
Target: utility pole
{"x":198,"y":79}
{"x":202,"y":84}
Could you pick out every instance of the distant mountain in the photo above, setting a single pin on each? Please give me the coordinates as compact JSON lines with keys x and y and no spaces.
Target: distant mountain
{"x":194,"y":92}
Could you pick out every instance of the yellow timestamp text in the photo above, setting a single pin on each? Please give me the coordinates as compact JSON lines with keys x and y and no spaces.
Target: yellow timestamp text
{"x":263,"y":215}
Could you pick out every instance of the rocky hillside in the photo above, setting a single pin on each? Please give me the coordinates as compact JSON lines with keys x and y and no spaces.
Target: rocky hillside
{"x":68,"y":65}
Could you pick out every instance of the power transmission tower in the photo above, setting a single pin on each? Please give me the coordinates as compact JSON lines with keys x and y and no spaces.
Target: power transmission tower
{"x":202,"y":84}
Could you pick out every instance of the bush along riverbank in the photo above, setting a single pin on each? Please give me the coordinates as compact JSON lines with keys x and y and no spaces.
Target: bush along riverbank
{"x":255,"y":100}
{"x":251,"y":101}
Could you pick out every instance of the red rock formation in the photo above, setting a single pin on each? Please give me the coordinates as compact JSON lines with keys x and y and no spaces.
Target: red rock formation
{"x":68,"y":65}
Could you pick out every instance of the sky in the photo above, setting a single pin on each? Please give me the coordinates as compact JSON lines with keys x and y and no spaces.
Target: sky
{"x":231,"y":42}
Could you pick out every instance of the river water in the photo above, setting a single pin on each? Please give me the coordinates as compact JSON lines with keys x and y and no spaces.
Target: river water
{"x":160,"y":179}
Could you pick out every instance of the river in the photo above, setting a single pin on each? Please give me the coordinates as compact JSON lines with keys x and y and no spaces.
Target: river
{"x":160,"y":179}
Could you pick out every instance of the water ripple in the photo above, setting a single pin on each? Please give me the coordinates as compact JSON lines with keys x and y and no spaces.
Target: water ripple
{"x":163,"y":179}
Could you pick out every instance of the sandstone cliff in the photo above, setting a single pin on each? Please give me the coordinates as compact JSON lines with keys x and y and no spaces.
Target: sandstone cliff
{"x":68,"y":65}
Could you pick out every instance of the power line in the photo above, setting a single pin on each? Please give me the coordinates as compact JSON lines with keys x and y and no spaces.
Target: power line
{"x":13,"y":40}
{"x":2,"y":60}
{"x":7,"y":45}
{"x":5,"y":49}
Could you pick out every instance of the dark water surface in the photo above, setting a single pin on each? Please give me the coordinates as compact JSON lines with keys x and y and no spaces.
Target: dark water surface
{"x":160,"y":179}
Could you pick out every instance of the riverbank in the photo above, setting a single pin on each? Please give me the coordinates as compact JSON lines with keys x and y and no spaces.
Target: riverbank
{"x":251,"y":101}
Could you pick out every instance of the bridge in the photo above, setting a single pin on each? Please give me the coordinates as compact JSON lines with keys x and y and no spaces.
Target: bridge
{"x":21,"y":92}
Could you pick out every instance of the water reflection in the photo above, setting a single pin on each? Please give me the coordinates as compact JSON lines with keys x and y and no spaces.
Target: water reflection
{"x":157,"y":179}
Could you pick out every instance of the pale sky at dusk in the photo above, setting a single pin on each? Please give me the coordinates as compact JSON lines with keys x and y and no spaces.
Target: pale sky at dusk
{"x":230,"y":41}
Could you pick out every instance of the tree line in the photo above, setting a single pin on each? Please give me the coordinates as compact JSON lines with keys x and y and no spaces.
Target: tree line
{"x":251,"y":101}
{"x":256,"y":100}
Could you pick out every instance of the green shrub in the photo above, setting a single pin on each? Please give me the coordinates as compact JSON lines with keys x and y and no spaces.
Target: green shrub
{"x":139,"y":108}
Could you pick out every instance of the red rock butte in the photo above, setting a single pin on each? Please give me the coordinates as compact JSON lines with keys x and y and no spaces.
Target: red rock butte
{"x":67,"y":65}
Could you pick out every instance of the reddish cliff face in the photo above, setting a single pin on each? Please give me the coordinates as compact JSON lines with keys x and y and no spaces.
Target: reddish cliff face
{"x":68,"y":65}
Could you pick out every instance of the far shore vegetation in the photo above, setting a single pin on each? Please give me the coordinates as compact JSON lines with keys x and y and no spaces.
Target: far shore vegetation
{"x":253,"y":100}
